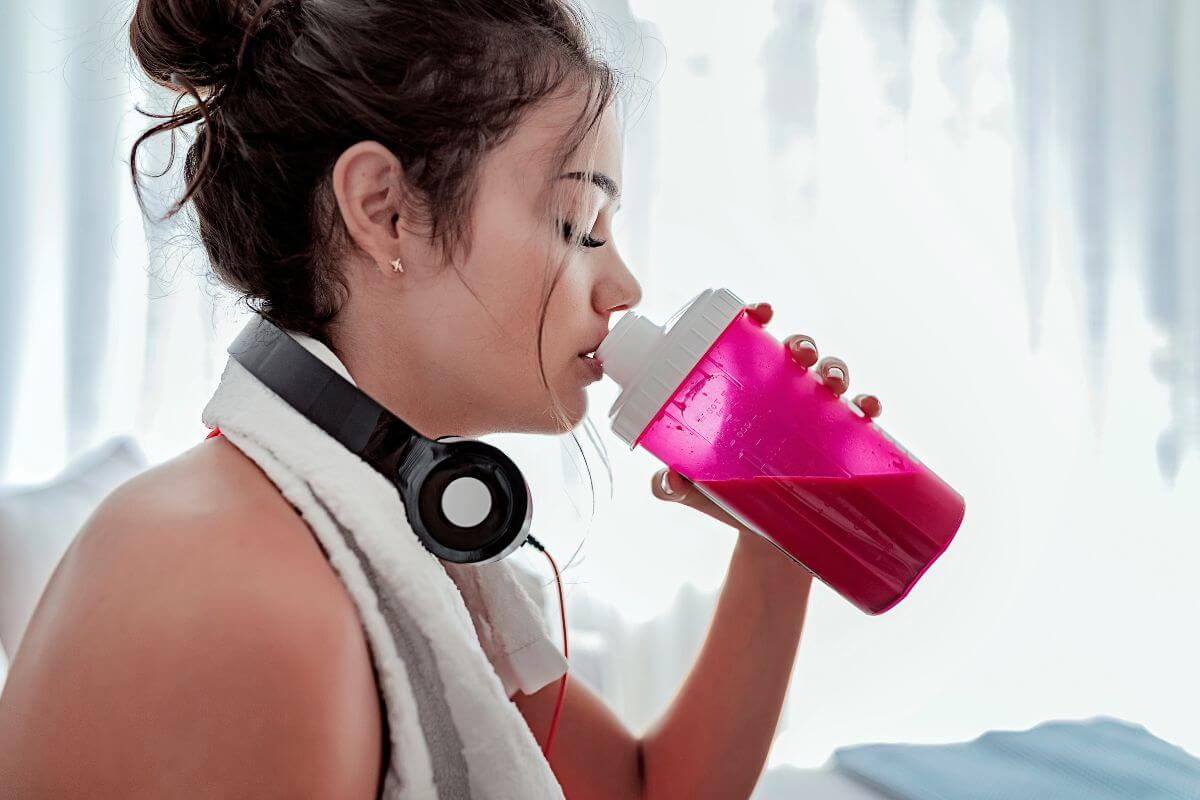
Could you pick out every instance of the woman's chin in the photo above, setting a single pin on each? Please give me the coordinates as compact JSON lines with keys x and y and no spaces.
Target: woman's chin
{"x":572,"y":408}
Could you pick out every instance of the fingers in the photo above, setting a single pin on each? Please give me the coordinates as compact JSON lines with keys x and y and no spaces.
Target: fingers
{"x":669,"y":485}
{"x":666,"y":484}
{"x":803,"y":349}
{"x":833,"y":371}
{"x":834,"y":374}
{"x":870,"y":405}
{"x":760,"y":312}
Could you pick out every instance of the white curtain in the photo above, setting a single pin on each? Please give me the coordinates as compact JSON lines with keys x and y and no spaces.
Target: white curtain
{"x":987,"y":208}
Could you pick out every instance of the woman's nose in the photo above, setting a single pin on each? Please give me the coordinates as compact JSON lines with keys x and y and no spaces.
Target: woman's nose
{"x":619,"y":292}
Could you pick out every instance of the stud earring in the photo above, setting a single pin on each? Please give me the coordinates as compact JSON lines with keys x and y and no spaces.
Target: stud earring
{"x":397,"y":266}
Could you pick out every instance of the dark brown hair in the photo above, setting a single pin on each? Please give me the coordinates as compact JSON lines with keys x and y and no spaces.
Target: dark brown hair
{"x":281,"y":89}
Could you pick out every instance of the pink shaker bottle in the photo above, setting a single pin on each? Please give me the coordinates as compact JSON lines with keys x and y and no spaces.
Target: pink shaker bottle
{"x":720,"y":400}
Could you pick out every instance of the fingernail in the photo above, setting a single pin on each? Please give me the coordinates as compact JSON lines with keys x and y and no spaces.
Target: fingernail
{"x":664,"y":485}
{"x":836,"y":373}
{"x":804,"y":344}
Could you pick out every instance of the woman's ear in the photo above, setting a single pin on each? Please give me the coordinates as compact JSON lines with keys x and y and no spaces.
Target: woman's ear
{"x":367,"y":179}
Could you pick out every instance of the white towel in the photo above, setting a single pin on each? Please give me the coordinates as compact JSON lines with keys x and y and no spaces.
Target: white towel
{"x":433,"y":626}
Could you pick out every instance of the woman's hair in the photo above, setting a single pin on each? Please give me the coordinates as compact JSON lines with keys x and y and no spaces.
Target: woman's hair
{"x":281,"y":89}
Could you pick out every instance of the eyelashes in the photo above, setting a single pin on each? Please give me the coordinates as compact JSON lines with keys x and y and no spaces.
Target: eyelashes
{"x":585,"y":241}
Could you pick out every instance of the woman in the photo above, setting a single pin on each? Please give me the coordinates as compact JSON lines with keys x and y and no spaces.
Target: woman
{"x":428,"y":189}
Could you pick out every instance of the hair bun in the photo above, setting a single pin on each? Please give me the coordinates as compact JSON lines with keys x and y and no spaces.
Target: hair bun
{"x":194,"y":39}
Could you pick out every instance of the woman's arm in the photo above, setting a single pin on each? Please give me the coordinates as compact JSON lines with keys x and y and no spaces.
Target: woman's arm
{"x":714,"y":737}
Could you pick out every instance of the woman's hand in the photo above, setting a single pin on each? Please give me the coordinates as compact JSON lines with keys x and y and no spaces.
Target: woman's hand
{"x":833,"y":372}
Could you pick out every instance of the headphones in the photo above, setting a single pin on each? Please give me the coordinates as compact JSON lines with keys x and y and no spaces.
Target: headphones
{"x":438,"y":479}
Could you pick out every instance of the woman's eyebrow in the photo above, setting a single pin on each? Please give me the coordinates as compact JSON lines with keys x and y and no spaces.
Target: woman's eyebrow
{"x":600,"y":179}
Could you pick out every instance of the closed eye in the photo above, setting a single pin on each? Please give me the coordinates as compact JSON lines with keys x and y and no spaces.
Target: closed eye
{"x":585,"y":241}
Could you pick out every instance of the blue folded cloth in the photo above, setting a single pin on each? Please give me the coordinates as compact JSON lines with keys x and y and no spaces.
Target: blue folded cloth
{"x":1096,"y":759}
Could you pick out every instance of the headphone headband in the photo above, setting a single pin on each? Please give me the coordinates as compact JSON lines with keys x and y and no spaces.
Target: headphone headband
{"x":420,"y":468}
{"x":308,"y":385}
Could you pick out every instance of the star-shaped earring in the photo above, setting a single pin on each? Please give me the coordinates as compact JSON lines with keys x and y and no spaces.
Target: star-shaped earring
{"x":396,"y":265}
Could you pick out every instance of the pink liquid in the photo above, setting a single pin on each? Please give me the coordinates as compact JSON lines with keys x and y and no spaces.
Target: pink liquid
{"x":869,"y":537}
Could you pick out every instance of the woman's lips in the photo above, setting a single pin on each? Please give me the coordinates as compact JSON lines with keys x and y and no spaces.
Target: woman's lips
{"x":593,"y":366}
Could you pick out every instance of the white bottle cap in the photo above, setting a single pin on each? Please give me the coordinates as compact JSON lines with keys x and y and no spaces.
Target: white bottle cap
{"x":628,"y":346}
{"x":649,"y":363}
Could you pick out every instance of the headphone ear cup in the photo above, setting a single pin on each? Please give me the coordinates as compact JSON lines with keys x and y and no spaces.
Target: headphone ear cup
{"x":428,"y":486}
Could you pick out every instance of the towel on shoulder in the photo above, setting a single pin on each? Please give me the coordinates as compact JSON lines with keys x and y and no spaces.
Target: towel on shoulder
{"x":451,"y":643}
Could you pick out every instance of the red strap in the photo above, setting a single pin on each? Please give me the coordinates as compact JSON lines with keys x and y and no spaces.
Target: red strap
{"x":212,"y":433}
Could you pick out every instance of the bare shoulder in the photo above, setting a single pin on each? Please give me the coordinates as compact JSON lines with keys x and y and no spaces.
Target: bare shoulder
{"x":193,"y":642}
{"x":209,"y":506}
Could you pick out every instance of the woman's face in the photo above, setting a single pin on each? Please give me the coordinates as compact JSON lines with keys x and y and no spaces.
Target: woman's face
{"x":452,"y":349}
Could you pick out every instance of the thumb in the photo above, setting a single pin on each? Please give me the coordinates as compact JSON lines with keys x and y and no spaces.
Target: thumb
{"x":667,"y":484}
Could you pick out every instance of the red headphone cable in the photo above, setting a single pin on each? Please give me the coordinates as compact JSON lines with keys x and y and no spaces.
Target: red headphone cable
{"x":562,"y":687}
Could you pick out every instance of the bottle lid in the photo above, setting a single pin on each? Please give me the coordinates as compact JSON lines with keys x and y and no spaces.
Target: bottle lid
{"x":649,"y":361}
